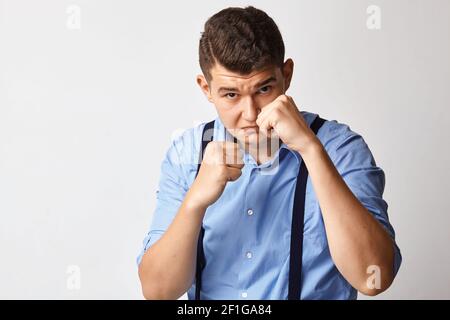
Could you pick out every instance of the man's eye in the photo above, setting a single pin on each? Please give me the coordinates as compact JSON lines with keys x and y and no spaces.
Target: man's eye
{"x":265,"y":89}
{"x":231,"y":95}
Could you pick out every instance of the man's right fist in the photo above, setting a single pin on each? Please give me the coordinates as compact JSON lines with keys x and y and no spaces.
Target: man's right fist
{"x":222,"y":162}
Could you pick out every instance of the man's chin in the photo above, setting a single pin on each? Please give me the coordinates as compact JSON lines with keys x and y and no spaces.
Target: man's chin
{"x":250,"y":139}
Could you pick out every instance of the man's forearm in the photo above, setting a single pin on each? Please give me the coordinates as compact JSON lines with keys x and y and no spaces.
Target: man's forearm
{"x":167,"y":269}
{"x":356,"y":239}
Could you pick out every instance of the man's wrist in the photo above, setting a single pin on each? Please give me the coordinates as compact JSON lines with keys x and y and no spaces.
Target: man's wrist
{"x":311,"y":148}
{"x":192,"y":204}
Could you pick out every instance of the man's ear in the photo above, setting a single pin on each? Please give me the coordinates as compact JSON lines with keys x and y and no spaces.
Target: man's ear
{"x":288,"y":70}
{"x":204,"y":86}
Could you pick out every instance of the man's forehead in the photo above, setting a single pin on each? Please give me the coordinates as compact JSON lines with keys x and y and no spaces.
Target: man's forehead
{"x":220,"y":74}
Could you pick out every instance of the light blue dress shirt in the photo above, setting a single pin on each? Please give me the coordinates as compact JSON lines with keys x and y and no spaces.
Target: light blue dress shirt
{"x":247,"y":230}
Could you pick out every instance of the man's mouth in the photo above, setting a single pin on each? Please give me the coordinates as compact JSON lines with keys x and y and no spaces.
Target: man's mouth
{"x":250,"y":130}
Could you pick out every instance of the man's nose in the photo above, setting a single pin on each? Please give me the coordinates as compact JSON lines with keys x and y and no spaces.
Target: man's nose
{"x":250,"y":110}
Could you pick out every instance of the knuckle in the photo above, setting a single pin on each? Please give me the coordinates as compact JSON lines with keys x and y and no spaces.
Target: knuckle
{"x":283,"y":98}
{"x":210,"y":146}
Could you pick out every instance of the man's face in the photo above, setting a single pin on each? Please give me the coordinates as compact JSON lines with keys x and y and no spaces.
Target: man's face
{"x":240,"y":98}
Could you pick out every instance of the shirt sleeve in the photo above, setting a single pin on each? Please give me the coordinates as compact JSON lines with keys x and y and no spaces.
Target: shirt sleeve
{"x":356,"y":164}
{"x":171,"y":191}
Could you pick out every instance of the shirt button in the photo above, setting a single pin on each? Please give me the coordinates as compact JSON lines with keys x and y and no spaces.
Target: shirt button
{"x":250,"y":212}
{"x":249,"y":255}
{"x":244,"y":295}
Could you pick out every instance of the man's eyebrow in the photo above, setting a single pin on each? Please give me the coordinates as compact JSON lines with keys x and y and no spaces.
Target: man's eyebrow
{"x":259,"y":84}
{"x":264,"y":82}
{"x":227,"y":89}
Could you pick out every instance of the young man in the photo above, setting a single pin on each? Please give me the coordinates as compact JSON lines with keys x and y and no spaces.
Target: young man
{"x":304,"y":219}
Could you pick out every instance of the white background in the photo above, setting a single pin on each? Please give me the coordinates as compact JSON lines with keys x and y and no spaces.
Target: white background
{"x":87,"y":114}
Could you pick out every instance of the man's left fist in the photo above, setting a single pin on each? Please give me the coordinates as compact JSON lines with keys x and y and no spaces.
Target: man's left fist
{"x":285,"y":119}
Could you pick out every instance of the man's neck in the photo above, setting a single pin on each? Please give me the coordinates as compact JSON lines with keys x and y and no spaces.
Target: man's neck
{"x":264,"y":151}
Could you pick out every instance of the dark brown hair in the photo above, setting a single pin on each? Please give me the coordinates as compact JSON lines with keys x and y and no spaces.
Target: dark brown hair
{"x":240,"y":39}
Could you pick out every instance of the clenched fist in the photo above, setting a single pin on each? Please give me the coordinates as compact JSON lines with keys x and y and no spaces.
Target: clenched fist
{"x":222,"y":162}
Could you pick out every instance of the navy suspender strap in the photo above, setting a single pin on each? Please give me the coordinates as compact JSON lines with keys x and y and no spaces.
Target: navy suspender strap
{"x":295,"y":267}
{"x":207,"y":136}
{"x":298,"y":215}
